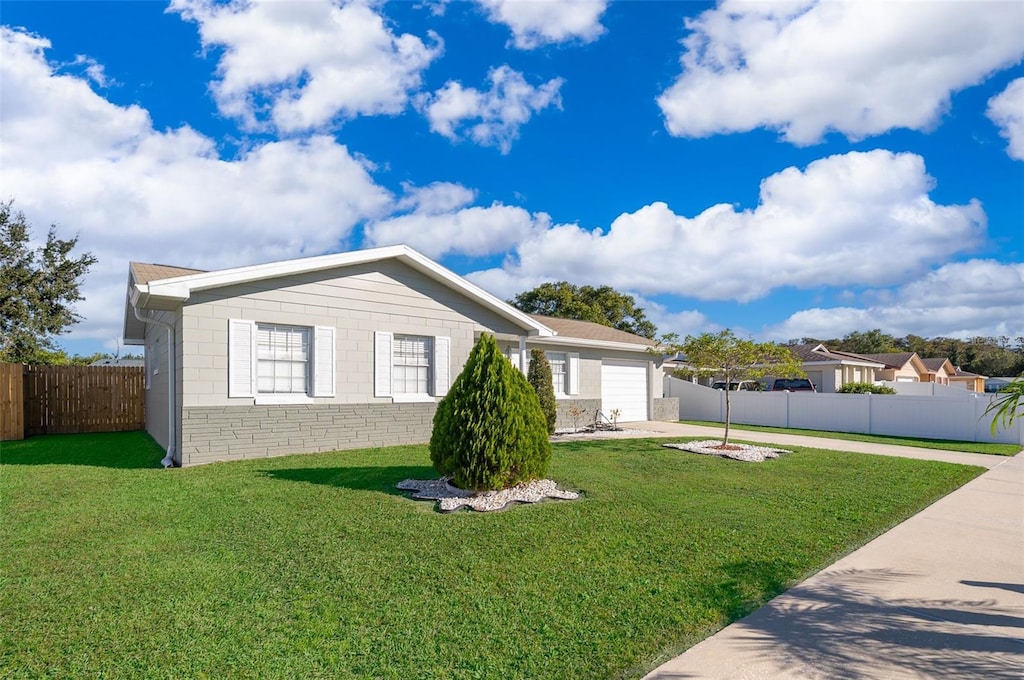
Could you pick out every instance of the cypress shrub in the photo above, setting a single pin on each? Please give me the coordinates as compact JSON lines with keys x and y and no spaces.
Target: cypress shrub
{"x":489,"y":431}
{"x":539,"y":376}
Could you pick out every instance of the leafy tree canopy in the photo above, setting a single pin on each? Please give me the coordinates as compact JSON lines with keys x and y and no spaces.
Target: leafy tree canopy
{"x":38,"y":288}
{"x":603,"y":305}
{"x":732,"y":359}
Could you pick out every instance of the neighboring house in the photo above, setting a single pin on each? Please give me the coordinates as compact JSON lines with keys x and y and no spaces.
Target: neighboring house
{"x":133,"y":363}
{"x":346,"y":351}
{"x":997,"y":383}
{"x":938,"y":370}
{"x":900,"y":367}
{"x":831,"y":369}
{"x":972,"y":382}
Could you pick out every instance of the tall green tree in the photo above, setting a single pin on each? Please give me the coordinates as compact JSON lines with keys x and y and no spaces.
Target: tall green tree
{"x":870,"y":342}
{"x":38,"y":288}
{"x":539,"y":376}
{"x":732,"y":359}
{"x":603,"y":305}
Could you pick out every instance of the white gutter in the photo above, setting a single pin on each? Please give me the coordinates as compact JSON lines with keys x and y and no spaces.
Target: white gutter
{"x":587,"y":342}
{"x":168,"y":460}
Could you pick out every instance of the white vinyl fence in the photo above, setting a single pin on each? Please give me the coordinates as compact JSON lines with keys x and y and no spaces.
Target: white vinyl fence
{"x":956,"y":414}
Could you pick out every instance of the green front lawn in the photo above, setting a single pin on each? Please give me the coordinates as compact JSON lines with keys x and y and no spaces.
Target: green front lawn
{"x":315,"y":566}
{"x":941,"y":444}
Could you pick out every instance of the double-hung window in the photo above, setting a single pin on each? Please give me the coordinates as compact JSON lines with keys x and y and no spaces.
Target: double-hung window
{"x":282,"y":359}
{"x":411,"y":367}
{"x":559,"y":374}
{"x":277,"y":363}
{"x":411,"y":364}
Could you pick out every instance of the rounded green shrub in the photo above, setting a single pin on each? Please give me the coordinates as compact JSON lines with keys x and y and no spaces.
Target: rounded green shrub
{"x":865,"y":388}
{"x":539,"y":376}
{"x":489,"y":431}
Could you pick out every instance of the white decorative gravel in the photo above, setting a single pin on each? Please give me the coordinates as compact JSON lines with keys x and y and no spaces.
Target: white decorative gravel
{"x":452,"y":498}
{"x":599,"y":434}
{"x":744,"y":452}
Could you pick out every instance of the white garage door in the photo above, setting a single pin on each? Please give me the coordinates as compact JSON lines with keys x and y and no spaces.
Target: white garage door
{"x":624,"y":387}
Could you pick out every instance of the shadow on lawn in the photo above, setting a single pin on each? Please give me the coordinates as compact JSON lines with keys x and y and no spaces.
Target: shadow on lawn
{"x":121,"y":450}
{"x":837,"y":627}
{"x":381,"y":479}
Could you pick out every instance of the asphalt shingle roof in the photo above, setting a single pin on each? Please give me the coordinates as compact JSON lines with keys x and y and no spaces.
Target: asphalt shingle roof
{"x":587,"y":330}
{"x":144,"y":272}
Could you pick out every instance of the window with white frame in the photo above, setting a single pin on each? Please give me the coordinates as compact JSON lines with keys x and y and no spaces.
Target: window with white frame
{"x":559,"y":373}
{"x":411,"y":364}
{"x":411,"y":367}
{"x":282,"y":359}
{"x":278,"y":363}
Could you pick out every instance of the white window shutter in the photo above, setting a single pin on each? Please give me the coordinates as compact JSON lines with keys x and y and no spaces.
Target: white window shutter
{"x":382,"y":363}
{"x":574,"y":372}
{"x":526,"y":362}
{"x":442,"y":365}
{"x":323,"y":361}
{"x":241,"y":358}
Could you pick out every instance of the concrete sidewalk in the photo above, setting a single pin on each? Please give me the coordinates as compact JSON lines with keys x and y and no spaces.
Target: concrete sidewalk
{"x":939,"y":596}
{"x":667,"y":429}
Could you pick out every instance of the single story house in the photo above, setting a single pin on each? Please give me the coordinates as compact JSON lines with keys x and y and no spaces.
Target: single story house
{"x":345,"y":351}
{"x":938,"y":370}
{"x":996,"y":383}
{"x":900,"y":367}
{"x":972,"y":382}
{"x":830,"y":369}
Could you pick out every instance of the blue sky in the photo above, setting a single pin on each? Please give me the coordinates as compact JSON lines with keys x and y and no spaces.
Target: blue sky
{"x":784,"y":169}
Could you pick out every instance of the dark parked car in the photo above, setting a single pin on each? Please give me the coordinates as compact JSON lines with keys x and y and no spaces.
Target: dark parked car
{"x":791,"y":385}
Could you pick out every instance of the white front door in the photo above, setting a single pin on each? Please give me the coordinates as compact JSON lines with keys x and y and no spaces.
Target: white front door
{"x":624,"y":387}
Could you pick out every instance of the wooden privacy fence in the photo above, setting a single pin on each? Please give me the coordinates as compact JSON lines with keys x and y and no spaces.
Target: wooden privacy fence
{"x":72,"y":399}
{"x":12,"y":402}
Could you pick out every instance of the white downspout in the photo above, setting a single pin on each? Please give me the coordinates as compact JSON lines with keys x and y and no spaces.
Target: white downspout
{"x":168,"y":460}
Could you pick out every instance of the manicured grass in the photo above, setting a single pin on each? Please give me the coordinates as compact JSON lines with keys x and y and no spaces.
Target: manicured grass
{"x":315,"y":566}
{"x":991,"y":448}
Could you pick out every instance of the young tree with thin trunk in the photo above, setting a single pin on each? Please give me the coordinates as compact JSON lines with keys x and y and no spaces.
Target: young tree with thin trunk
{"x":732,"y":359}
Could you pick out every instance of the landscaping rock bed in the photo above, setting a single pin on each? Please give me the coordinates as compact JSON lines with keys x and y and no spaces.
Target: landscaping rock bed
{"x":451,"y":498}
{"x":747,"y":453}
{"x":591,"y":433}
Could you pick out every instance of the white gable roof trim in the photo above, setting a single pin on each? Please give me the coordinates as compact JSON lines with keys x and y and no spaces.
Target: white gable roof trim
{"x":168,"y":293}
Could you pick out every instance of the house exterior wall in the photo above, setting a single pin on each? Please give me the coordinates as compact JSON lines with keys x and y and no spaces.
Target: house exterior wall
{"x":156,"y":378}
{"x":217,"y":433}
{"x":904,"y":373}
{"x":356,"y":301}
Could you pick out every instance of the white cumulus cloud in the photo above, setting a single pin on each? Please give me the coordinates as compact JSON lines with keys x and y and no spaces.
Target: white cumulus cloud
{"x":961,"y":299}
{"x":860,"y":68}
{"x":442,"y":222}
{"x":535,"y":23}
{"x":499,"y":112}
{"x":131,"y":192}
{"x":852,"y":219}
{"x":306,"y":64}
{"x":1006,"y":110}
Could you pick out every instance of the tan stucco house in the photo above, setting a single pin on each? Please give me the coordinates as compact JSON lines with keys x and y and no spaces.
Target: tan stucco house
{"x":345,"y":351}
{"x":900,"y":367}
{"x":972,"y":382}
{"x":939,"y":370}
